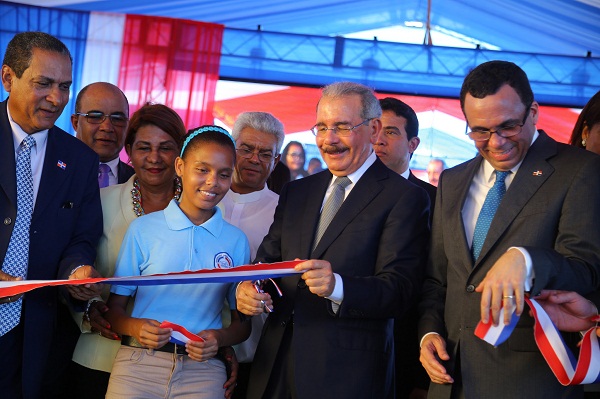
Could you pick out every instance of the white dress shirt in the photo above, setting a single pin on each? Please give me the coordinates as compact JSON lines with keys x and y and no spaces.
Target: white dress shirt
{"x":252,"y":213}
{"x":483,"y":180}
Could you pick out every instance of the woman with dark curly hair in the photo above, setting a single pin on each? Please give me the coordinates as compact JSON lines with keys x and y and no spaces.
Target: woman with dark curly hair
{"x":586,"y":133}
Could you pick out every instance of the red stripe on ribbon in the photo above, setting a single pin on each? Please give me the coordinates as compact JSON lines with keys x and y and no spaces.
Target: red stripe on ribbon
{"x":239,"y":273}
{"x":558,"y":356}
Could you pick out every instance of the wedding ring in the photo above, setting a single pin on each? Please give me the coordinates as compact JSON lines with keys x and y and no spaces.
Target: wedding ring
{"x":509,"y":296}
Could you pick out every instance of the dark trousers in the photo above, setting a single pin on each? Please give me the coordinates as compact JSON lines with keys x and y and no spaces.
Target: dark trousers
{"x":282,"y":384}
{"x":87,"y":383}
{"x":243,"y":378}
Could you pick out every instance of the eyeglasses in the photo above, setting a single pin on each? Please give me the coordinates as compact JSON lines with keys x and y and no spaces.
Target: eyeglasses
{"x":96,"y":118}
{"x":264,"y":157}
{"x":341,"y":129}
{"x":506,"y":131}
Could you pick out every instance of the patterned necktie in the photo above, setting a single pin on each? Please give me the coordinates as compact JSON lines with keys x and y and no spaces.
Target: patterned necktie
{"x":17,"y":254}
{"x":333,"y":203}
{"x":488,"y":210}
{"x":103,"y":172}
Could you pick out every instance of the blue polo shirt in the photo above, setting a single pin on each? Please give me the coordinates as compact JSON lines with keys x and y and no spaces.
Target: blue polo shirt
{"x":167,"y":241}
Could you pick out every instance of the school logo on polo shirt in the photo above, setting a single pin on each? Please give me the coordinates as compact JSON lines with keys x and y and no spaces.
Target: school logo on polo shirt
{"x":223,"y":261}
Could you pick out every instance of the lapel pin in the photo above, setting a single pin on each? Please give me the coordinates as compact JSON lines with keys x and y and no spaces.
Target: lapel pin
{"x":61,"y":164}
{"x":537,"y":173}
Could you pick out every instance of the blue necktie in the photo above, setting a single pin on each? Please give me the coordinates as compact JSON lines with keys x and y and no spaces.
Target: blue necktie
{"x":332,"y":205}
{"x":17,"y":254}
{"x":488,"y":210}
{"x":103,"y":174}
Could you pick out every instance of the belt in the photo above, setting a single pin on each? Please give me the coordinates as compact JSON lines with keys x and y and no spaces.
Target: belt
{"x":168,"y":348}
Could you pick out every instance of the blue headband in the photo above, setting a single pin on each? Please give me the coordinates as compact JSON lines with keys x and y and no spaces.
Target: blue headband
{"x":201,"y":130}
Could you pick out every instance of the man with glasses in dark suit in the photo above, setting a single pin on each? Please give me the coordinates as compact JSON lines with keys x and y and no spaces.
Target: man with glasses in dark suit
{"x":100,"y":120}
{"x":364,"y":229}
{"x":518,"y":218}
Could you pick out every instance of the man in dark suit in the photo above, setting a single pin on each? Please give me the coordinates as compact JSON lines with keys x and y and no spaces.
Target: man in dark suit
{"x":396,"y":142}
{"x":398,"y":139}
{"x":66,"y":222}
{"x":337,"y":316}
{"x":543,"y":234}
{"x":100,"y":120}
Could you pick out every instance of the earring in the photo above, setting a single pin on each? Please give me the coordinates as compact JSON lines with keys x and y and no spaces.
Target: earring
{"x":583,"y":142}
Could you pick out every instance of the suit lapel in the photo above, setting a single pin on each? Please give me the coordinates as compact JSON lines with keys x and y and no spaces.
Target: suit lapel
{"x":53,"y":176}
{"x":456,"y":197}
{"x":525,"y":184}
{"x":8,"y":178}
{"x":312,"y":212}
{"x":367,"y":188}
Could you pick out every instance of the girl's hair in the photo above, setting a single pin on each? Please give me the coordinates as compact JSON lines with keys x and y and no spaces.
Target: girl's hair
{"x":157,"y":115}
{"x":207,"y":134}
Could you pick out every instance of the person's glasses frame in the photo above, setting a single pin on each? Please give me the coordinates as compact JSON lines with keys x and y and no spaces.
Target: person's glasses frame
{"x":341,"y":130}
{"x":264,"y":157}
{"x":97,"y":117}
{"x":505,"y":132}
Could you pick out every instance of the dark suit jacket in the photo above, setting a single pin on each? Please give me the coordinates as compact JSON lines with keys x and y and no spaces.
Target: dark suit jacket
{"x":375,"y":242}
{"x":409,"y":372}
{"x":429,"y":188}
{"x":551,"y":210}
{"x":124,"y":172}
{"x":65,"y":228}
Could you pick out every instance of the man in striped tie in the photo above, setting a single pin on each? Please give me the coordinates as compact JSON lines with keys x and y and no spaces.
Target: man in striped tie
{"x":52,"y":220}
{"x":365,"y":230}
{"x":514,"y":220}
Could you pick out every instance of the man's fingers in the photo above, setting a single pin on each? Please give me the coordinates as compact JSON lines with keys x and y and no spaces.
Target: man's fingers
{"x":435,"y":370}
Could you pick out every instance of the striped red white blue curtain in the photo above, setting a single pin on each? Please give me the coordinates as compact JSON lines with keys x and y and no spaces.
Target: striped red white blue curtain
{"x":152,"y":59}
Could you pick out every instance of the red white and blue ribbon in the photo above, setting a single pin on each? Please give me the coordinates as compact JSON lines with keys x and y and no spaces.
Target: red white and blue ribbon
{"x":180,"y":335}
{"x":562,"y":362}
{"x":235,"y":274}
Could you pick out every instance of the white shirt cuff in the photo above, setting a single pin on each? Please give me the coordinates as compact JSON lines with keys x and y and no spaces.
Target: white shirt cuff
{"x":337,"y":296}
{"x":528,"y":266}
{"x":429,"y":333}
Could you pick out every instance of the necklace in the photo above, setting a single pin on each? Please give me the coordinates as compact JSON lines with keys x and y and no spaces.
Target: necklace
{"x":136,"y":196}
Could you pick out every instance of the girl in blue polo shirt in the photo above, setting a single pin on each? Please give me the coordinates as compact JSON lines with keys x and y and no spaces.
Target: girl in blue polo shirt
{"x":189,"y":235}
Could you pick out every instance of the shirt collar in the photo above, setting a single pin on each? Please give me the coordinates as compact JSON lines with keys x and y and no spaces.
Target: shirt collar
{"x":356,"y":175}
{"x":177,"y":220}
{"x":249,"y":197}
{"x":19,"y":135}
{"x":113,"y":165}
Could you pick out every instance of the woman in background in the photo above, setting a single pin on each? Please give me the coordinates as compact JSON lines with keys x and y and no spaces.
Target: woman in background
{"x":293,"y":156}
{"x":586,"y":133}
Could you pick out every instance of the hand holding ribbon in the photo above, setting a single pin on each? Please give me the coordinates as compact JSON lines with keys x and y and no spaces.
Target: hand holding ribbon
{"x":566,"y":368}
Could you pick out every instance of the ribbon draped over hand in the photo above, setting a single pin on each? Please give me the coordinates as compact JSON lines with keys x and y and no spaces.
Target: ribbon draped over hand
{"x":567,"y":369}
